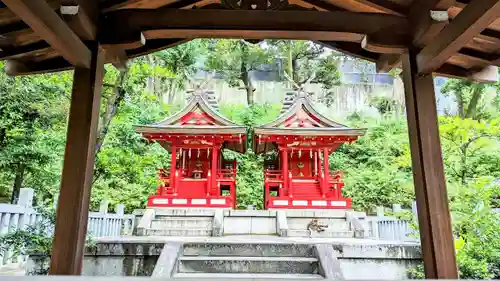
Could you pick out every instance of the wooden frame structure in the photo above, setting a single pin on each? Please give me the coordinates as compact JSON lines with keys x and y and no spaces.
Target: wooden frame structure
{"x":458,"y":38}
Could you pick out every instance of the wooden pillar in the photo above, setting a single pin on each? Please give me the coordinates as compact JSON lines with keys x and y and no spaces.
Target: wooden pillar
{"x":284,"y":164}
{"x":173,"y":162}
{"x":428,"y":174}
{"x":326,"y":170}
{"x":73,"y":207}
{"x":214,"y":166}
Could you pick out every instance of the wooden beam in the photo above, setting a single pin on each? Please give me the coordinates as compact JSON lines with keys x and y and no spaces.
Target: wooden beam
{"x":80,"y":21}
{"x":24,"y":50}
{"x":323,"y":5}
{"x":73,"y":206}
{"x":349,"y":48}
{"x":165,"y":18}
{"x":139,"y":4}
{"x":473,"y":19}
{"x":155,"y":46}
{"x":384,"y":44}
{"x":253,"y":34}
{"x":485,"y":75}
{"x":18,"y":68}
{"x":117,"y":57}
{"x":385,"y":6}
{"x":386,"y":62}
{"x":48,"y":25}
{"x":428,"y":173}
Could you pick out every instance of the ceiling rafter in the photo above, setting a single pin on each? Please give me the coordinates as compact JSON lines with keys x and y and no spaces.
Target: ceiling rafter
{"x":385,"y":6}
{"x":48,"y":25}
{"x":473,"y":19}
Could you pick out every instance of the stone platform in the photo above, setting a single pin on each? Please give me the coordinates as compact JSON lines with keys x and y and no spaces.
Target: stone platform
{"x":253,"y":256}
{"x":219,"y":222}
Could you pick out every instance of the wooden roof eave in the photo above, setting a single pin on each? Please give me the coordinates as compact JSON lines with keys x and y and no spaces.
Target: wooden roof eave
{"x":191,"y":130}
{"x":311,"y":131}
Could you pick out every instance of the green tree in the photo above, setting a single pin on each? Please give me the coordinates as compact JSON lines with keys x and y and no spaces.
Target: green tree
{"x":29,"y":107}
{"x":468,"y":97}
{"x":307,"y":61}
{"x":470,"y":148}
{"x":234,"y":60}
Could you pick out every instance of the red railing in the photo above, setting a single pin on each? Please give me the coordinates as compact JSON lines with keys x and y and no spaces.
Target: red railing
{"x":273,"y":175}
{"x":226,"y":173}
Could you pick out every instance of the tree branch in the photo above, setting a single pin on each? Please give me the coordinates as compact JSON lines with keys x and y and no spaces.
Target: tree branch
{"x":112,"y":104}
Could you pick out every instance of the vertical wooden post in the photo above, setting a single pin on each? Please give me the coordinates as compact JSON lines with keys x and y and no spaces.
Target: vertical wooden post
{"x":215,"y":154}
{"x":428,"y":174}
{"x":326,"y":168}
{"x":73,"y":206}
{"x":173,"y":163}
{"x":284,"y":161}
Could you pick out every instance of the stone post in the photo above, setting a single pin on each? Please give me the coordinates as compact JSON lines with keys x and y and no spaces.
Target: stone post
{"x":26,"y":197}
{"x":103,"y":208}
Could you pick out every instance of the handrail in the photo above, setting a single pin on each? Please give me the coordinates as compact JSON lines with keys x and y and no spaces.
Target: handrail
{"x":273,"y":175}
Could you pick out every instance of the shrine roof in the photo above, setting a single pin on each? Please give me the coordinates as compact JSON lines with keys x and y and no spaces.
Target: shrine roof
{"x":299,"y":117}
{"x":198,"y":117}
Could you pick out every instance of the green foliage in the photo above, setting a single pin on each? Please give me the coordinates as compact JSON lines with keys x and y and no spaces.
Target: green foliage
{"x":471,"y":148}
{"x":469,"y":97}
{"x":376,"y":171}
{"x":306,"y":60}
{"x":234,"y":58}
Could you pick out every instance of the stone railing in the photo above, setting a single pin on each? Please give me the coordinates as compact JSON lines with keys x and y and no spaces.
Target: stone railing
{"x":21,"y":215}
{"x":390,"y":228}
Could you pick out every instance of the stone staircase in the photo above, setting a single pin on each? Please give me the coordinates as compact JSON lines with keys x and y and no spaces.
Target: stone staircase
{"x":177,"y":222}
{"x":338,"y":225}
{"x":252,"y":260}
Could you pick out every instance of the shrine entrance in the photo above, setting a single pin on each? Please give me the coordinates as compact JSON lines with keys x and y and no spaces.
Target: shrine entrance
{"x":299,"y":175}
{"x":198,"y":176}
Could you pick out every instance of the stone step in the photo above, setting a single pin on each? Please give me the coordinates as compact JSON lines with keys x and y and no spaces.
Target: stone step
{"x":184,"y":212}
{"x":233,"y":264}
{"x":182,"y":222}
{"x":248,"y":249}
{"x":325,"y":234}
{"x":250,"y":276}
{"x":202,"y":232}
{"x":332,"y":223}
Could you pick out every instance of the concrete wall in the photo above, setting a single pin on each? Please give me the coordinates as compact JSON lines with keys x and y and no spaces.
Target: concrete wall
{"x":380,"y":261}
{"x":249,"y":222}
{"x":108,"y":259}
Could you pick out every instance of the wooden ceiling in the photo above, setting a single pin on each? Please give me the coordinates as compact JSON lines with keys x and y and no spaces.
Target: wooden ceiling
{"x":454,"y":38}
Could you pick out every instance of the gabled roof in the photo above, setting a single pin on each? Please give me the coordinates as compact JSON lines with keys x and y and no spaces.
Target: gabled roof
{"x":197,"y":118}
{"x":300,"y":118}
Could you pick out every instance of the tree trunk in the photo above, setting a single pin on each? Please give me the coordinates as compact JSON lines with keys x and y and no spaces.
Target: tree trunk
{"x":477,"y":92}
{"x":112,"y":104}
{"x":18,"y":183}
{"x":460,"y":105}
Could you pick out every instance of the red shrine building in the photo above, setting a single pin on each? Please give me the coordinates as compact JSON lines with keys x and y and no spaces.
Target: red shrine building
{"x":301,"y":139}
{"x":199,"y":176}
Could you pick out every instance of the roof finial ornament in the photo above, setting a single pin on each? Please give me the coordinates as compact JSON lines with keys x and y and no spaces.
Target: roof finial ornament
{"x":199,"y":87}
{"x":299,"y":87}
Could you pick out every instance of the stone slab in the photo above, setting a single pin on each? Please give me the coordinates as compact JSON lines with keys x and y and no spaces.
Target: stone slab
{"x":248,"y":265}
{"x":248,"y":249}
{"x":166,"y":262}
{"x":249,"y":276}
